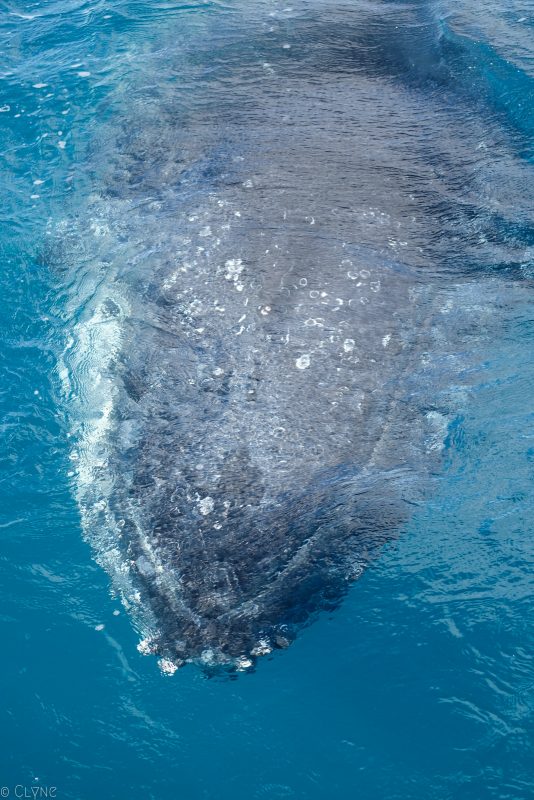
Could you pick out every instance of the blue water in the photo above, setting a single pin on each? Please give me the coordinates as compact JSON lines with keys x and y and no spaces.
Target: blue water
{"x":421,"y":685}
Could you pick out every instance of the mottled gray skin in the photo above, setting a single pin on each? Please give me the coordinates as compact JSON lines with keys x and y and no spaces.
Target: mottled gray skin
{"x":284,"y":242}
{"x":270,"y":448}
{"x":266,"y":443}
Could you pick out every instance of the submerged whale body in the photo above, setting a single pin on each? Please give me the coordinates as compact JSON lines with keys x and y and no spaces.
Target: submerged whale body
{"x":273,"y":324}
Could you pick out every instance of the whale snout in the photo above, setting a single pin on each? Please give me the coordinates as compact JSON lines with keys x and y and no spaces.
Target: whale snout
{"x":268,"y":571}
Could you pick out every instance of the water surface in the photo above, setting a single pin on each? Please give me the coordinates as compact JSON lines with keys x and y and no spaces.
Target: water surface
{"x":126,"y":115}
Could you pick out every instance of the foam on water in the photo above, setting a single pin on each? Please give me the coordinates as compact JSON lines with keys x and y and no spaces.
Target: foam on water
{"x":89,"y":388}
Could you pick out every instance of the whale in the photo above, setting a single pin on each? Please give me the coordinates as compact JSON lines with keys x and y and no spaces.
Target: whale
{"x":270,"y":331}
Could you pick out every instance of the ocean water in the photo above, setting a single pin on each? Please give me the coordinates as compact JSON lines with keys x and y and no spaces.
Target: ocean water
{"x":123,"y":124}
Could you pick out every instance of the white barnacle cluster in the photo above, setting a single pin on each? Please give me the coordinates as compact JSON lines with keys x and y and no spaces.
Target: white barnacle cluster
{"x":243,"y":663}
{"x":206,"y":506}
{"x":263,"y":648}
{"x":234,"y":268}
{"x":303,"y":361}
{"x":146,"y":646}
{"x":167,"y":666}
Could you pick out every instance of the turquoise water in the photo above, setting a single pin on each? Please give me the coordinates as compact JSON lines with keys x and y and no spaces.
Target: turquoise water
{"x":421,"y":684}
